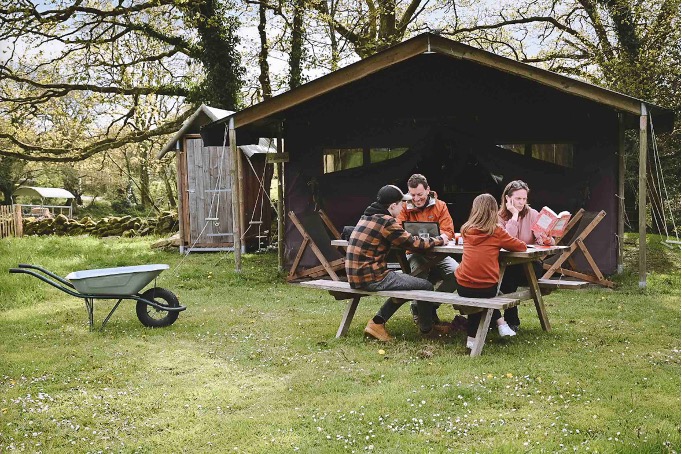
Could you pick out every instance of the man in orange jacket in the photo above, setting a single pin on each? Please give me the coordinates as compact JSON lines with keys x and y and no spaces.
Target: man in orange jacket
{"x":425,"y":207}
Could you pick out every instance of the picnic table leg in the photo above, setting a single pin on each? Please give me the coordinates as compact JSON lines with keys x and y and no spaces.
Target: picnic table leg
{"x":482,"y":332}
{"x":348,"y":316}
{"x":537,"y":295}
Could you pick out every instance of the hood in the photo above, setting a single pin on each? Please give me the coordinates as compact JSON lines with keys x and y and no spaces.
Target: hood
{"x":376,"y":208}
{"x":475,"y":237}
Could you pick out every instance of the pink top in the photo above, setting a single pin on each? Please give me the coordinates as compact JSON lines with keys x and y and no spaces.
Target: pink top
{"x":521,"y":229}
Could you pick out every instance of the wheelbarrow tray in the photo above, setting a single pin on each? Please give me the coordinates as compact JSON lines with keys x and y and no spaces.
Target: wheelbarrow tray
{"x":120,"y":281}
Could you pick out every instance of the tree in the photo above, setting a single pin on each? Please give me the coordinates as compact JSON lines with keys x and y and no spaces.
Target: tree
{"x":83,"y":62}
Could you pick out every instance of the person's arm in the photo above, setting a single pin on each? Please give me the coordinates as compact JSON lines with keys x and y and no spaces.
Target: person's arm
{"x":397,"y":236}
{"x":445,"y":223}
{"x":510,"y":243}
{"x":511,"y":226}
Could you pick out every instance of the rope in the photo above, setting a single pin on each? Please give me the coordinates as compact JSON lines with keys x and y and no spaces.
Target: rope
{"x":661,"y":182}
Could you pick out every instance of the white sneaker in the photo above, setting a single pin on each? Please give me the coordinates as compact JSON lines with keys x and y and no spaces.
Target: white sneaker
{"x":505,"y":330}
{"x":470,"y":342}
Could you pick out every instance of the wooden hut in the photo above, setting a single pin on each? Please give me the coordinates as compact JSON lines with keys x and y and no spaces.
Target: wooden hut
{"x":205,"y":185}
{"x":470,"y":120}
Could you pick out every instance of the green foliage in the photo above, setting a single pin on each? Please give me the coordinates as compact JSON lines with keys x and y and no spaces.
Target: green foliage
{"x":253,"y":366}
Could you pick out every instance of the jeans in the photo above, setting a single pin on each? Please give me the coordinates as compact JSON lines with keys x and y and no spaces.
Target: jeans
{"x":435,"y":269}
{"x":474,"y":319}
{"x":514,"y":276}
{"x":400,"y":281}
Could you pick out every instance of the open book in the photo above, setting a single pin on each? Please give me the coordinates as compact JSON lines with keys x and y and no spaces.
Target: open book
{"x":550,"y":223}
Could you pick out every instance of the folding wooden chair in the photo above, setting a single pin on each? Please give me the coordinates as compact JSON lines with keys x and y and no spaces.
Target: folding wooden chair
{"x":579,"y":227}
{"x":316,"y":228}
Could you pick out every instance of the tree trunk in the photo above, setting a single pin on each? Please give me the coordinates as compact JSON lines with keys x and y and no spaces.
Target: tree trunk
{"x":264,"y":77}
{"x":296,"y":56}
{"x":167,"y":179}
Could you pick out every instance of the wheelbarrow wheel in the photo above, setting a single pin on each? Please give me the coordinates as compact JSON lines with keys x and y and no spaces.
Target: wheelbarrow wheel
{"x":153,"y":317}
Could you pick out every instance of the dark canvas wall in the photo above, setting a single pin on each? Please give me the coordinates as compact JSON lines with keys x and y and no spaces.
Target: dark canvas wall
{"x":458,"y":167}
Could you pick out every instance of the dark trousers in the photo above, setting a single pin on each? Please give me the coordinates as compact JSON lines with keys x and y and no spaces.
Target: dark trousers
{"x":514,"y":276}
{"x":474,"y":319}
{"x":400,"y":281}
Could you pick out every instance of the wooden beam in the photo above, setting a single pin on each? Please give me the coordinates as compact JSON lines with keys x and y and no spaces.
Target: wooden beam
{"x":236,"y":214}
{"x":643,"y":120}
{"x":280,"y":203}
{"x":621,"y":191}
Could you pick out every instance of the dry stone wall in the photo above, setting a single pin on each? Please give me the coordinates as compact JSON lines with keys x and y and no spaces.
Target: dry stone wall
{"x":125,"y":226}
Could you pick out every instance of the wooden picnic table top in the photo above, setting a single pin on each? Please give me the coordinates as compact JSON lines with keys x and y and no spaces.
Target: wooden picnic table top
{"x":532,"y":252}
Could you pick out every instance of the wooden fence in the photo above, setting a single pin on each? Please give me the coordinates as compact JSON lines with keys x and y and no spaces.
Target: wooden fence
{"x":10,"y":221}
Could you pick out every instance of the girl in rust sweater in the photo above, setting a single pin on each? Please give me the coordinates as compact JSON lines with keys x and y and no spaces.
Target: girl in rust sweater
{"x":479,"y":271}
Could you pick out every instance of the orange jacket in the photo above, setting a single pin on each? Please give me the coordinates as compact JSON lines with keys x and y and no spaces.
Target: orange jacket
{"x":480,"y":267}
{"x":434,"y":211}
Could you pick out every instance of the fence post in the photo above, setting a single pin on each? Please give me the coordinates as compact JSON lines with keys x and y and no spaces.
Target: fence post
{"x":18,"y":222}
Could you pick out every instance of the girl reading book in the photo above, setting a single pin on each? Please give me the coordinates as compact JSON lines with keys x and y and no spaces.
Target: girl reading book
{"x":518,"y":218}
{"x":479,"y":272}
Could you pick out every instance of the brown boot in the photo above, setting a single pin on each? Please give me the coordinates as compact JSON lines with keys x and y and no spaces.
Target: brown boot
{"x":377,"y":331}
{"x":438,"y":331}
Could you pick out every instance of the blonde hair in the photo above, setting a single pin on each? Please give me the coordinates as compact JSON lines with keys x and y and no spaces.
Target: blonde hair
{"x":483,"y":215}
{"x":511,"y":188}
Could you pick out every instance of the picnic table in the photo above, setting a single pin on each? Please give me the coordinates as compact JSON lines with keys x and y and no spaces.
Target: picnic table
{"x":525,"y":258}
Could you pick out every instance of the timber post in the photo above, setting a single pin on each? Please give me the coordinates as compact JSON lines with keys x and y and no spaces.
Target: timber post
{"x":236,"y":212}
{"x":643,"y":122}
{"x":280,"y":204}
{"x":621,"y":191}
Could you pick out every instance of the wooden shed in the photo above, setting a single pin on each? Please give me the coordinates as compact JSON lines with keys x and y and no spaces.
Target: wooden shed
{"x":205,"y":186}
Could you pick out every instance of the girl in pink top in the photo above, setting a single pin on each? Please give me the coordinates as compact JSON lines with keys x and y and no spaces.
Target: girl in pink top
{"x":517,"y":218}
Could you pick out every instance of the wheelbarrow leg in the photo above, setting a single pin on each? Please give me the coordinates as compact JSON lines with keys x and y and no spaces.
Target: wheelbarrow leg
{"x":89,"y":306}
{"x":111,"y":313}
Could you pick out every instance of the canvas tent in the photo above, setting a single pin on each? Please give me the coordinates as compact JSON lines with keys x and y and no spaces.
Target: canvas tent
{"x":469,"y":120}
{"x":204,"y":179}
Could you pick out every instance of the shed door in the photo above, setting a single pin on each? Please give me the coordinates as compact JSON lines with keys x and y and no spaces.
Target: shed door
{"x":209,"y":187}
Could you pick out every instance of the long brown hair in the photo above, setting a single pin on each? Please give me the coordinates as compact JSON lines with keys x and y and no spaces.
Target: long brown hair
{"x":511,"y":188}
{"x":483,"y":215}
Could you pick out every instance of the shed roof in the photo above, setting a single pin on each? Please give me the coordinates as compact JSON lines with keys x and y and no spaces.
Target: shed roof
{"x":34,"y":191}
{"x":211,"y":112}
{"x":260,"y":117}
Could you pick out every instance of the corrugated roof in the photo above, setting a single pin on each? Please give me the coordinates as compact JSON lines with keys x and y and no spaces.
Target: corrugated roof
{"x":34,"y":191}
{"x":211,"y":112}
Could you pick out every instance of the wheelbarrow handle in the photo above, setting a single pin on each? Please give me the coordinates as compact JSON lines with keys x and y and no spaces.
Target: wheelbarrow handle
{"x":58,"y":285}
{"x":43,"y":270}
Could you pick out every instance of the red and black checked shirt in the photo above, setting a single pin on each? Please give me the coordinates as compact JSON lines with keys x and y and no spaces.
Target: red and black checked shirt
{"x":369,"y":244}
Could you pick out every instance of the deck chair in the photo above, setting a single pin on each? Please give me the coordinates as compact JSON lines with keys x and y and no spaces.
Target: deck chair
{"x":578,"y":228}
{"x":317,"y":232}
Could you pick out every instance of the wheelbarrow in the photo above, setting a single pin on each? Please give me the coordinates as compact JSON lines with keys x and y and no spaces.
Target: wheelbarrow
{"x":157,"y":307}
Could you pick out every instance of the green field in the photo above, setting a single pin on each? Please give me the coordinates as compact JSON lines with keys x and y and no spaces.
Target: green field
{"x":253,"y":366}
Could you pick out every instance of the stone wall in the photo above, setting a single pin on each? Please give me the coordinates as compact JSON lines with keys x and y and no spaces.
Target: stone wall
{"x":125,"y":226}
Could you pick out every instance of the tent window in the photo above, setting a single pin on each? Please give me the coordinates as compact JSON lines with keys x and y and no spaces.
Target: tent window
{"x":384,"y":154}
{"x":336,"y":159}
{"x":556,"y":153}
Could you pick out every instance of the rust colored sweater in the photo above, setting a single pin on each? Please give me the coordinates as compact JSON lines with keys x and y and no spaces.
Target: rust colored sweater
{"x":480,"y":267}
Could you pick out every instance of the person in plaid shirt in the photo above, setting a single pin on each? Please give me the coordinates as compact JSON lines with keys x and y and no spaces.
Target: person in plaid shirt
{"x":366,"y":265}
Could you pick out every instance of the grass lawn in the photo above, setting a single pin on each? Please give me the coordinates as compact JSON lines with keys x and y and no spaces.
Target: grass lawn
{"x":253,"y":366}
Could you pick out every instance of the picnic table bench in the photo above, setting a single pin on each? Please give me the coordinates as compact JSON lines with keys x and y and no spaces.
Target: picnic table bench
{"x":342,"y":291}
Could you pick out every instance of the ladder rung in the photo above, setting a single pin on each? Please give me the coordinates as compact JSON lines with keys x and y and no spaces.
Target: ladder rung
{"x":255,"y":222}
{"x":211,"y":219}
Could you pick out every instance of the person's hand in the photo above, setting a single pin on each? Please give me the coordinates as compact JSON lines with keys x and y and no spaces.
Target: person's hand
{"x":446,"y":238}
{"x":512,"y":209}
{"x":546,"y":239}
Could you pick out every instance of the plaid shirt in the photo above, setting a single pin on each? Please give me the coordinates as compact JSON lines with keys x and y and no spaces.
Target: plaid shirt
{"x":369,"y":244}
